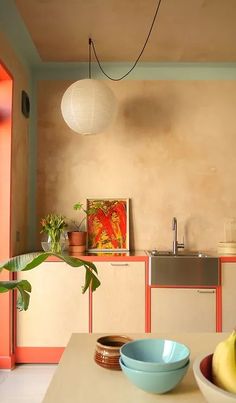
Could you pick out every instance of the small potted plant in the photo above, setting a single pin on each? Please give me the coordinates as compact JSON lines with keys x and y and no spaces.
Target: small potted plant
{"x":53,"y":225}
{"x":77,"y":237}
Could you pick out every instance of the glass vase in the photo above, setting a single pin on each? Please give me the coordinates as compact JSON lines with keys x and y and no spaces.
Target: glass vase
{"x":54,"y":243}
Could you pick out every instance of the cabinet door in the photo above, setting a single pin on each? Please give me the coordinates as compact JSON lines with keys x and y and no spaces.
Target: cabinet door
{"x":119,"y":304}
{"x":228,"y":273}
{"x":57,"y":306}
{"x":183,"y":310}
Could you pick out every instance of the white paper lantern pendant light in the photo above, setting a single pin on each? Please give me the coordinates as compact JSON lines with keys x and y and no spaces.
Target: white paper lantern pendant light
{"x":88,"y":106}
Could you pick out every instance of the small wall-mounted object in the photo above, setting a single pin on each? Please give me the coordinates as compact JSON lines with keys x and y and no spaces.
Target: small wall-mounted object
{"x":25,"y":104}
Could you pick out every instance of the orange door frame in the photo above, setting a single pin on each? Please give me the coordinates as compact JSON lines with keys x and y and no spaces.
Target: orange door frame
{"x":7,"y":359}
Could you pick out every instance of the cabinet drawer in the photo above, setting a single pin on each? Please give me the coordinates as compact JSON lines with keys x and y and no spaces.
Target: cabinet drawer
{"x":119,"y":304}
{"x":228,"y":296}
{"x":183,"y":310}
{"x":57,"y":306}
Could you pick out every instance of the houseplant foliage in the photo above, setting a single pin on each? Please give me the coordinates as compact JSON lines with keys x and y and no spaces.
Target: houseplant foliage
{"x":79,"y":207}
{"x":31,"y":260}
{"x":77,"y":235}
{"x":53,"y":225}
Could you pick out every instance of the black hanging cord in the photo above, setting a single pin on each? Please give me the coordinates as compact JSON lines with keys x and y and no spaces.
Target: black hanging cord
{"x":135,"y":63}
{"x":90,"y":41}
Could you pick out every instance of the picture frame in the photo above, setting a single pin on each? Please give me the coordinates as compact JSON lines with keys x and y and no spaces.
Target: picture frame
{"x":107,"y":224}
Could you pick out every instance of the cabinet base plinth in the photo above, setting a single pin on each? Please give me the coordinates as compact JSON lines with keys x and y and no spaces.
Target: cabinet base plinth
{"x":38,"y":355}
{"x":7,"y":362}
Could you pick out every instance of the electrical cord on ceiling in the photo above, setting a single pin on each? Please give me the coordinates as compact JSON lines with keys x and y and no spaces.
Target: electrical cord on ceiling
{"x":91,"y":43}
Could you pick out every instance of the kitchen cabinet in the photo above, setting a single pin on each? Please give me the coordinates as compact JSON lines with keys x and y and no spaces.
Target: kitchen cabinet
{"x":228,"y":278}
{"x":57,"y":306}
{"x":183,"y":309}
{"x":119,"y":304}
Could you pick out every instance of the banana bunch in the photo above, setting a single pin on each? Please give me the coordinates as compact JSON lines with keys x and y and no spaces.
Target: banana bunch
{"x":224,"y":364}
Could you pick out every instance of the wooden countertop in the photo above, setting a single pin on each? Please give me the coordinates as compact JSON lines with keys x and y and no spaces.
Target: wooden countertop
{"x":79,"y":379}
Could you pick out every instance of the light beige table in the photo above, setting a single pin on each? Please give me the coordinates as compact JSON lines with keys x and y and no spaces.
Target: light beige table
{"x":78,"y":379}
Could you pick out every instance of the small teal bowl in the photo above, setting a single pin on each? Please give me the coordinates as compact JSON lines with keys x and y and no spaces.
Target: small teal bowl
{"x":155,"y":382}
{"x":154,"y":355}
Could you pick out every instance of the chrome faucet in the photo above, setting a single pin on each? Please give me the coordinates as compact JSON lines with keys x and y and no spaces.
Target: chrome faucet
{"x":176,"y":244}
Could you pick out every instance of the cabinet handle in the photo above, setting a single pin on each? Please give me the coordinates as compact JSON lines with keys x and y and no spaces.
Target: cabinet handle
{"x":206,"y":291}
{"x":119,"y":264}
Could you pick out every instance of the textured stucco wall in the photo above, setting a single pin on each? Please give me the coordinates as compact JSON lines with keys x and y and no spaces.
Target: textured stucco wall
{"x":19,"y":149}
{"x":171,"y":150}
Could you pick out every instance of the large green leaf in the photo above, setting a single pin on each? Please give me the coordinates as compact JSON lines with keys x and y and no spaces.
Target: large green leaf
{"x":31,"y":260}
{"x":23,"y":286}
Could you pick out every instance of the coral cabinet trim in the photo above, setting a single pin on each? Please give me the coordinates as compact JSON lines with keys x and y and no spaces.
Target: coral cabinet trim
{"x":7,"y":362}
{"x":6,"y":90}
{"x":224,"y":259}
{"x":39,"y":355}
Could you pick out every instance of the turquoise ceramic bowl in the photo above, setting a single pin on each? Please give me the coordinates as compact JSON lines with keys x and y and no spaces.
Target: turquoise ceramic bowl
{"x":155,"y":382}
{"x":154,"y":355}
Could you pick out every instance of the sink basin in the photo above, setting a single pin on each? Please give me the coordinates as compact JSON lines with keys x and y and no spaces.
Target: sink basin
{"x":188,"y":268}
{"x":169,"y":253}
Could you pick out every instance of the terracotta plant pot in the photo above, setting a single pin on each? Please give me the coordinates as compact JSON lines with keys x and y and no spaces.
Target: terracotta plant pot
{"x":77,"y":241}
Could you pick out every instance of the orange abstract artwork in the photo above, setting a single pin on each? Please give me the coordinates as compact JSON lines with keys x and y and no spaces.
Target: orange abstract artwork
{"x":107,"y":224}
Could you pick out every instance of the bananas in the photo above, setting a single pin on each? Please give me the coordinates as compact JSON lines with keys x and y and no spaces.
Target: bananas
{"x":224,"y":364}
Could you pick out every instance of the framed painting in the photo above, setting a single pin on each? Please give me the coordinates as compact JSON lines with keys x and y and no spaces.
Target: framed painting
{"x":108,"y":224}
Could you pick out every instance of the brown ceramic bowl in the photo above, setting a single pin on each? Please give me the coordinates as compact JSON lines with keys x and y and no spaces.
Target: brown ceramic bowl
{"x":107,"y":351}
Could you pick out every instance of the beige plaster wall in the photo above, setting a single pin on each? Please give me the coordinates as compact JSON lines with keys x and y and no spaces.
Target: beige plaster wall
{"x":171,"y":150}
{"x":19,"y":148}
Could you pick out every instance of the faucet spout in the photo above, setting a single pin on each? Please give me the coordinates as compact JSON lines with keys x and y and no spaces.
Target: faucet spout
{"x":176,"y":244}
{"x":174,"y":225}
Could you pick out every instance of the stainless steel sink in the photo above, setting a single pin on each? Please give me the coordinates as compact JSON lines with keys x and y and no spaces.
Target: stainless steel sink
{"x":167,"y":253}
{"x":188,"y":268}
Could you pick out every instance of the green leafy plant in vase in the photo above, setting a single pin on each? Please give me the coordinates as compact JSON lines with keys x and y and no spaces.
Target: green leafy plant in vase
{"x":53,"y":225}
